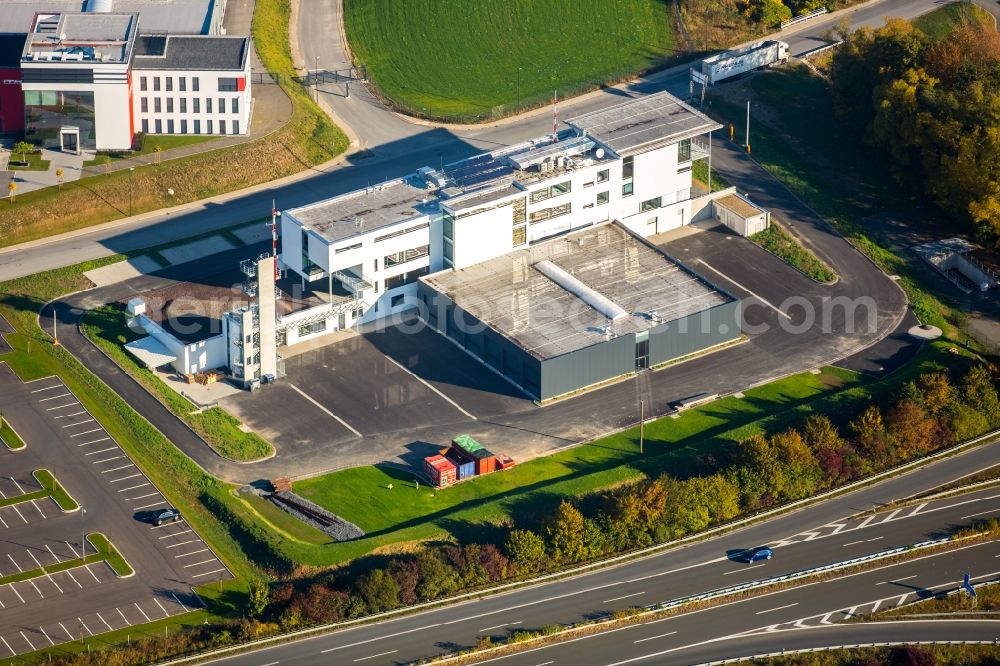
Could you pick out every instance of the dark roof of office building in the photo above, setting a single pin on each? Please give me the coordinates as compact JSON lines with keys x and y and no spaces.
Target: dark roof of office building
{"x":11,"y":46}
{"x":645,"y":123}
{"x":191,"y":52}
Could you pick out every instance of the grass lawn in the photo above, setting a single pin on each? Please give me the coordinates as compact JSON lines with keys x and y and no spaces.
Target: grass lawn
{"x":938,"y":23}
{"x":34,"y":160}
{"x":462,"y":61}
{"x":107,"y":328}
{"x":687,"y":445}
{"x":56,"y":490}
{"x":779,"y":242}
{"x":107,"y":551}
{"x":10,"y":438}
{"x":149,"y":144}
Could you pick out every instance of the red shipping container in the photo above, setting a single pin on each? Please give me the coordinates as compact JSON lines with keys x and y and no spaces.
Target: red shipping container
{"x":440,"y":471}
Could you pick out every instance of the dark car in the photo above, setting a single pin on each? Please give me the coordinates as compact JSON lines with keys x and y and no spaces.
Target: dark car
{"x":757,"y":554}
{"x":166,"y":516}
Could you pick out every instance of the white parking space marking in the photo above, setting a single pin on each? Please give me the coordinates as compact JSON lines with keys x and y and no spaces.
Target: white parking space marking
{"x":759,"y":298}
{"x":86,"y":432}
{"x":105,"y":460}
{"x":126,"y":478}
{"x":84,"y":625}
{"x":198,"y":564}
{"x":135,"y":487}
{"x":72,"y":549}
{"x":146,"y":506}
{"x":26,"y":640}
{"x":94,"y":453}
{"x":179,"y":601}
{"x":167,"y":536}
{"x":47,"y":388}
{"x":325,"y":410}
{"x":14,"y":654}
{"x":101,"y":618}
{"x":431,"y":387}
{"x":67,"y":631}
{"x":20,"y":490}
{"x":105,"y":471}
{"x":14,"y":590}
{"x":87,"y":567}
{"x":68,"y":404}
{"x":34,"y":504}
{"x":165,"y":612}
{"x":174,"y":545}
{"x":208,"y":573}
{"x":148,"y":619}
{"x":132,"y":499}
{"x":18,"y":512}
{"x":54,"y":397}
{"x":123,"y":616}
{"x":73,"y":578}
{"x":78,"y":423}
{"x":193,"y":552}
{"x":51,"y":642}
{"x":66,"y":416}
{"x":95,"y":441}
{"x":54,"y":556}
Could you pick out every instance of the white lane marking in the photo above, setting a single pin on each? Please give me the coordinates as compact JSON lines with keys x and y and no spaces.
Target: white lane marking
{"x":180,"y":604}
{"x":758,"y":297}
{"x":382,"y":654}
{"x":917,"y":510}
{"x":380,"y":638}
{"x":431,"y":387}
{"x":973,"y":515}
{"x":11,"y":586}
{"x":66,"y":416}
{"x":875,"y":539}
{"x":890,"y":516}
{"x":117,"y":468}
{"x":20,"y":490}
{"x":84,"y":625}
{"x":864,"y":523}
{"x":47,"y":388}
{"x":68,"y":404}
{"x":94,"y":453}
{"x":132,"y":499}
{"x":853,"y":543}
{"x":174,"y":545}
{"x":627,"y":596}
{"x":61,"y":395}
{"x":826,"y":619}
{"x":662,"y":619}
{"x":101,"y":618}
{"x":208,"y":573}
{"x":86,"y":432}
{"x":193,"y":552}
{"x":87,"y":567}
{"x":135,"y":487}
{"x":73,"y":578}
{"x":33,"y":648}
{"x":875,"y":606}
{"x":72,"y":549}
{"x":54,"y":557}
{"x":102,"y":439}
{"x":643,"y":640}
{"x":902,"y":598}
{"x":545,"y":663}
{"x":126,"y":478}
{"x":173,"y":534}
{"x":325,"y":410}
{"x":896,"y":580}
{"x":729,"y":573}
{"x":197,"y":564}
{"x":34,"y":504}
{"x":51,"y":642}
{"x":67,"y":631}
{"x":148,"y":619}
{"x":500,"y":626}
{"x":104,"y":460}
{"x":146,"y":506}
{"x":165,"y":612}
{"x":19,"y":514}
{"x":73,"y":425}
{"x":19,"y":569}
{"x":771,"y":610}
{"x":13,"y":654}
{"x":123,"y":616}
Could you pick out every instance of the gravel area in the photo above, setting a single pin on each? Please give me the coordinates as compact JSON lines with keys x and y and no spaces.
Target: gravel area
{"x":317,"y":516}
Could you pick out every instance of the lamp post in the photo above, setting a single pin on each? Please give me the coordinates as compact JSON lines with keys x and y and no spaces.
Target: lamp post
{"x":316,"y":81}
{"x":518,"y":89}
{"x":130,"y":170}
{"x":83,"y":542}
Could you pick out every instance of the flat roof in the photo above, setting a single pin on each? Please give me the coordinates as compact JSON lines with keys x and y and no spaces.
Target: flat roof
{"x":191,"y":52}
{"x":78,"y":37}
{"x":739,"y":205}
{"x":11,"y":47}
{"x":373,"y":208}
{"x":192,"y":17}
{"x":644,"y":123}
{"x":545,"y":319}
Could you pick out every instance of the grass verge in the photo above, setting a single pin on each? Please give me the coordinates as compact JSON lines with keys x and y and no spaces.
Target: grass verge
{"x":940,"y":22}
{"x":9,"y":437}
{"x":429,"y":64}
{"x":34,"y":160}
{"x":107,"y":328}
{"x":104,"y":551}
{"x":150,"y":142}
{"x":56,"y":490}
{"x":783,"y":245}
{"x":307,"y":139}
{"x":110,"y":554}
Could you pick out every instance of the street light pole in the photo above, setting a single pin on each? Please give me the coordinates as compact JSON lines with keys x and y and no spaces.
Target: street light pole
{"x":130,"y":170}
{"x":316,"y":79}
{"x":518,"y":89}
{"x":83,"y":542}
{"x":748,"y":126}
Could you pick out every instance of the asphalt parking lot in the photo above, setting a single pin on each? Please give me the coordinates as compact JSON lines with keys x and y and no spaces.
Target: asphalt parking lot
{"x":372,"y":385}
{"x":116,"y":499}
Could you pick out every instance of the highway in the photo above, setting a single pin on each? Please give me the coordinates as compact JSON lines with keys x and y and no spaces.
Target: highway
{"x":392,"y":145}
{"x":820,"y":534}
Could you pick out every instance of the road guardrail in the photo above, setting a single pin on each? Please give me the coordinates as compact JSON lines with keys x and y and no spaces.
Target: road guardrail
{"x":805,"y":17}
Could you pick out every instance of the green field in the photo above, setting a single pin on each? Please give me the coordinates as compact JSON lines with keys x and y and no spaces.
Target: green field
{"x":461,"y":60}
{"x":149,"y":144}
{"x":938,"y":23}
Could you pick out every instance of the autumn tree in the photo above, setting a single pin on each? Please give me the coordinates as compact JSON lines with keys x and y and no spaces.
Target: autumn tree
{"x":379,"y":590}
{"x":938,"y":391}
{"x":526,"y":550}
{"x":565,"y":534}
{"x":910,"y":429}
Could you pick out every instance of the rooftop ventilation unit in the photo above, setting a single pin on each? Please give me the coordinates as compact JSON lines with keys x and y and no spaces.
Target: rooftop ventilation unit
{"x":100,"y":6}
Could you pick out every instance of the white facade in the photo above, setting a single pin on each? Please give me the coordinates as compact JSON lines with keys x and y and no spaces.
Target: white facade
{"x":192,"y":357}
{"x":191,"y":102}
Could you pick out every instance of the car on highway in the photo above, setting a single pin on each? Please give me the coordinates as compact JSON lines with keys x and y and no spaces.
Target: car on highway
{"x":757,"y":554}
{"x":166,"y":516}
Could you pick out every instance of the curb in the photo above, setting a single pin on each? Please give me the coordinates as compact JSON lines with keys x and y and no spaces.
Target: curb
{"x":122,"y":576}
{"x":24,"y":445}
{"x":73,"y":499}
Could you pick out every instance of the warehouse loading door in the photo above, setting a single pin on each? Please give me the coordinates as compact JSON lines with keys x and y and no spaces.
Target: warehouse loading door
{"x":642,"y":355}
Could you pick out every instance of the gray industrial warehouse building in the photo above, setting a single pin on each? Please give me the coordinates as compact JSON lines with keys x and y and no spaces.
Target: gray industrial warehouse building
{"x":578,"y":310}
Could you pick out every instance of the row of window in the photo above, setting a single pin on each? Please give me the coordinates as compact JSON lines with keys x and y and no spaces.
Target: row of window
{"x":379,"y":239}
{"x":551,"y":191}
{"x":181,"y":127}
{"x":404,"y":256}
{"x":549,"y":213}
{"x":234,"y":106}
{"x":226,"y":84}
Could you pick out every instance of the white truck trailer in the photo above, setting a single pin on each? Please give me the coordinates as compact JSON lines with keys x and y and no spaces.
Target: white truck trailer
{"x":727,"y":64}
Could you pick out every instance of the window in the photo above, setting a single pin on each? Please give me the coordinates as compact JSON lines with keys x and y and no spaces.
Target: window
{"x":405,"y":278}
{"x":144,"y":105}
{"x":588,"y":184}
{"x":548,"y":213}
{"x":194,"y":83}
{"x":196,"y":105}
{"x":628,"y":167}
{"x":552,"y":191}
{"x":236,"y":127}
{"x":184,"y":126}
{"x":236,"y":105}
{"x":227,"y":84}
{"x":159,"y":126}
{"x":396,"y":300}
{"x":208,"y":105}
{"x":520,"y":236}
{"x":379,"y":239}
{"x":627,"y":189}
{"x":170,"y":83}
{"x":170,"y":105}
{"x":603,"y":198}
{"x":170,"y":126}
{"x":347,"y":249}
{"x":184,"y":105}
{"x":210,"y":129}
{"x":222,"y":127}
{"x":156,"y":104}
{"x":449,"y":251}
{"x":197,"y":126}
{"x":310,"y":329}
{"x":182,"y":83}
{"x":222,"y":105}
{"x":143,"y":83}
{"x":684,"y":151}
{"x":651,"y":204}
{"x":684,"y":169}
{"x":156,"y":83}
{"x":145,"y":126}
{"x":448,"y":225}
{"x":375,"y":286}
{"x":602,"y":176}
{"x":376,"y":265}
{"x":404,"y":256}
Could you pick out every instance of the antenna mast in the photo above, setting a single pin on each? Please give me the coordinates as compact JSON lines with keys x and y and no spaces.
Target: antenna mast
{"x":274,"y":237}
